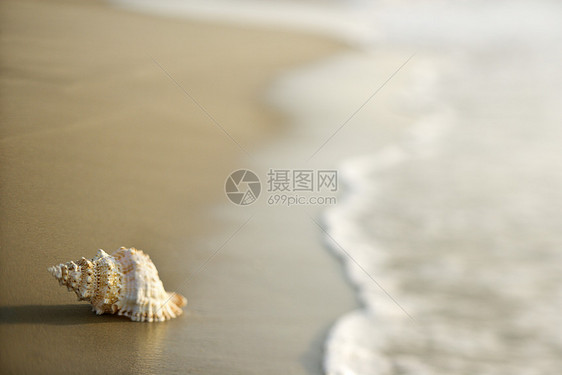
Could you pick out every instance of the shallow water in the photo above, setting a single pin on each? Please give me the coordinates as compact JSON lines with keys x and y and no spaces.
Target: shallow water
{"x":460,"y":229}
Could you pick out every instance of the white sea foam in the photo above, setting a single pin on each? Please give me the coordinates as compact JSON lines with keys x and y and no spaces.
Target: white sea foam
{"x":454,"y":226}
{"x":358,"y":342}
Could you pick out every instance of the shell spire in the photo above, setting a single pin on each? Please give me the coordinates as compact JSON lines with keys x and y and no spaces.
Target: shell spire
{"x":124,"y":283}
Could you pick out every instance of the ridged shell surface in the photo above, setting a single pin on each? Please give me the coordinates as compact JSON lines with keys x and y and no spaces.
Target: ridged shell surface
{"x":123,"y":283}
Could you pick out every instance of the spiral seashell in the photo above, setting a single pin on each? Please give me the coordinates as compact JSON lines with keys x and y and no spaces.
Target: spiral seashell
{"x":123,"y":283}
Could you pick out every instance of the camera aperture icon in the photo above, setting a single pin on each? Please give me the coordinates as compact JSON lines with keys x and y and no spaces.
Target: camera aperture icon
{"x":242,"y":187}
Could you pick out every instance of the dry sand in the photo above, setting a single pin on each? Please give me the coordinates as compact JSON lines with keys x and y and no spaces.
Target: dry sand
{"x":99,"y":149}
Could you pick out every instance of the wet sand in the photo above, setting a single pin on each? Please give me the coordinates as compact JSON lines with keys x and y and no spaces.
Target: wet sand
{"x":100,"y":149}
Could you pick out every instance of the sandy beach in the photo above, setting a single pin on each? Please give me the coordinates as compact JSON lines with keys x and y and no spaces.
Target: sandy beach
{"x":100,"y":148}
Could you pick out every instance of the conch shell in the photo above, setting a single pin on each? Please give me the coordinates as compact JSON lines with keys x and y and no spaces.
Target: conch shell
{"x":123,"y":283}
